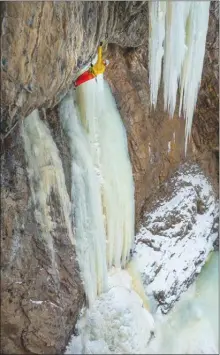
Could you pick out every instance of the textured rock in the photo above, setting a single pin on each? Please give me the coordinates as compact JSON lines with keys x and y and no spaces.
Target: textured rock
{"x":156,"y":142}
{"x":205,"y":130}
{"x":39,"y":308}
{"x":177,"y":234}
{"x":45,"y":43}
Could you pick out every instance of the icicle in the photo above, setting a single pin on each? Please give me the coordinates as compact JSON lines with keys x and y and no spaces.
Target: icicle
{"x":196,"y":30}
{"x":157,"y":11}
{"x":118,"y":188}
{"x":174,"y":53}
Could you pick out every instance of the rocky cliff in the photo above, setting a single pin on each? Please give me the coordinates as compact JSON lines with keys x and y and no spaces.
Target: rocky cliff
{"x":45,"y":43}
{"x":43,"y":46}
{"x":156,"y":142}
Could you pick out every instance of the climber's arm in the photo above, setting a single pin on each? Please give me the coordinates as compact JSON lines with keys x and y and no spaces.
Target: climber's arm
{"x":99,"y":66}
{"x":99,"y":62}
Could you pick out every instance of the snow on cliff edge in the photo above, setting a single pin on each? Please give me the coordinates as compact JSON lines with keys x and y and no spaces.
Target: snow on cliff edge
{"x":176,"y":236}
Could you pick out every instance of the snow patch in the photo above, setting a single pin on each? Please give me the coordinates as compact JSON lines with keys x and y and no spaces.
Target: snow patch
{"x":36,"y":302}
{"x":117,"y":323}
{"x":175,"y":239}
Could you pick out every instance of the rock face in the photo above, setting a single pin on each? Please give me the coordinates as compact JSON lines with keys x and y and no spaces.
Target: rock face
{"x":156,"y":143}
{"x":177,"y":234}
{"x":205,"y":130}
{"x":44,"y":44}
{"x":39,"y":307}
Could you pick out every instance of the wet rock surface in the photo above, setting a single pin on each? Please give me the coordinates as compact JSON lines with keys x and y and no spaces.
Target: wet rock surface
{"x":177,"y":234}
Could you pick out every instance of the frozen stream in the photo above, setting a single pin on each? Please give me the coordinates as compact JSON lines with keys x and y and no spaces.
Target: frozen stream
{"x":192,"y":326}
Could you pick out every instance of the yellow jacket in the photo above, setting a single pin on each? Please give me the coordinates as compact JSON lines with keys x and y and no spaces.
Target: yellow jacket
{"x":99,"y":66}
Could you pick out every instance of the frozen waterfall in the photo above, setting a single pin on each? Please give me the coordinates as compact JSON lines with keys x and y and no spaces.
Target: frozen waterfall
{"x":177,"y":35}
{"x":102,"y":183}
{"x":46,"y":174}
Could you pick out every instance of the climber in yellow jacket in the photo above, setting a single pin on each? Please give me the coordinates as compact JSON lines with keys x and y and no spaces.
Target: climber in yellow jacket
{"x":100,"y":65}
{"x":94,"y":70}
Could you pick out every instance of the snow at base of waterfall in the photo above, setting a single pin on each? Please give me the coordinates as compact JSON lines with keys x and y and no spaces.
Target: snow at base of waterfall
{"x":117,"y":323}
{"x":176,"y":237}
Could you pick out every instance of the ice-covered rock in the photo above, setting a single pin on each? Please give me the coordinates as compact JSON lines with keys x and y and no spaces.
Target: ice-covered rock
{"x":177,"y":236}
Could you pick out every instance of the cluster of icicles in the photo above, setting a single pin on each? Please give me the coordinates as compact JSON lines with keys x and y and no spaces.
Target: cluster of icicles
{"x":177,"y":35}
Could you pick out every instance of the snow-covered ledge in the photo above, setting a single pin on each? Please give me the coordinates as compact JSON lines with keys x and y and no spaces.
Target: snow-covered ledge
{"x":176,"y":236}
